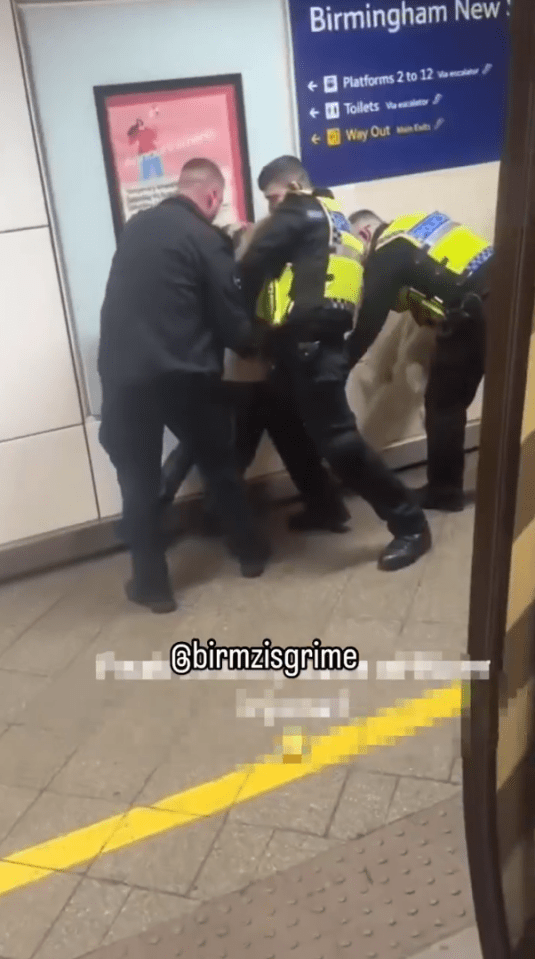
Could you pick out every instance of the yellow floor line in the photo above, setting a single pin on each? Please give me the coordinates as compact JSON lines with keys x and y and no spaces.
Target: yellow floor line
{"x":358,"y":738}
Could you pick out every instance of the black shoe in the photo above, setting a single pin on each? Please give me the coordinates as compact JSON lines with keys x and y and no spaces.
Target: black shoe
{"x":444,"y":500}
{"x":253,"y":562}
{"x":252,"y":568}
{"x":313,"y":519}
{"x":162,"y":601}
{"x":405,"y":550}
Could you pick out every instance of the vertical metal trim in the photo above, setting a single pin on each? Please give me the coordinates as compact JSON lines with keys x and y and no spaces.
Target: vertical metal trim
{"x":511,"y":310}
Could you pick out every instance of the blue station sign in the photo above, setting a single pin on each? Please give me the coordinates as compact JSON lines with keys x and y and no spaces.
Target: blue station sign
{"x":385,"y":89}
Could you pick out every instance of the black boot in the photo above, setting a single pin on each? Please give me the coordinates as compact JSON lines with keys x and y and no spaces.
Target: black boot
{"x":150,"y":584}
{"x":446,"y":500}
{"x":157,"y":603}
{"x":253,"y":558}
{"x":331,"y":519}
{"x":405,"y":550}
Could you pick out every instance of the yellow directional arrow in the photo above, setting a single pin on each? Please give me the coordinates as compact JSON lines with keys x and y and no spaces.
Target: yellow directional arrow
{"x":316,"y":139}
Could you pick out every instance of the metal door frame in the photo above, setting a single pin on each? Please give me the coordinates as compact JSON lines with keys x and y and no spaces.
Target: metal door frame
{"x":488,"y":825}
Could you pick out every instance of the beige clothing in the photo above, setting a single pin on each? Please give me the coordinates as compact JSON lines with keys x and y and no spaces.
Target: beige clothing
{"x":238,"y":370}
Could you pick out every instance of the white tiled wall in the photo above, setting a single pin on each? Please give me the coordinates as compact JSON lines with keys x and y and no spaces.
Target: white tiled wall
{"x":45,"y":474}
{"x":21,"y":196}
{"x":36,"y":372}
{"x":46,"y":484}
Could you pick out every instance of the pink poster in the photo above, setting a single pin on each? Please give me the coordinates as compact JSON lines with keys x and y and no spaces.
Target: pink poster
{"x":150,"y":130}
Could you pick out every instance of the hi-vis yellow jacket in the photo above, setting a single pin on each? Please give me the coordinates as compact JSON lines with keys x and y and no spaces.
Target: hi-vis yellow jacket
{"x":343,"y":278}
{"x":453,"y":247}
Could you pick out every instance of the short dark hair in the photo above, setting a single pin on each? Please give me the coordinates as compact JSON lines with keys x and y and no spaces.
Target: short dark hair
{"x":283,"y":170}
{"x":201,"y":168}
{"x":362,"y":215}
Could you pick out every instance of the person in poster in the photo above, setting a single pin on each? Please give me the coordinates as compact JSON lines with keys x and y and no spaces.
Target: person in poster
{"x":150,"y":163}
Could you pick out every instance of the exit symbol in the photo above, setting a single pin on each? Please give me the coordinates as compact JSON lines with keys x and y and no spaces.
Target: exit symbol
{"x":334,"y":137}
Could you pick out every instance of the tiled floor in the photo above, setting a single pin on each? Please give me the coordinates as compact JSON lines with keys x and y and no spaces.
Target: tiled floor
{"x":74,"y":750}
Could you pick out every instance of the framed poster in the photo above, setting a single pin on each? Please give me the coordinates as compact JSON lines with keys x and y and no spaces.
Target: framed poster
{"x":149,"y":130}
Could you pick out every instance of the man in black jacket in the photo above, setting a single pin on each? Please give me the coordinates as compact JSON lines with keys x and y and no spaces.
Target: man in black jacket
{"x":173,"y":304}
{"x":307,"y":250}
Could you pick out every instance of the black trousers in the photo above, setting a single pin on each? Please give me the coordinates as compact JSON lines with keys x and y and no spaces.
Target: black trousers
{"x":315,"y":376}
{"x":259,"y":408}
{"x":131,"y":432}
{"x":456,"y":372}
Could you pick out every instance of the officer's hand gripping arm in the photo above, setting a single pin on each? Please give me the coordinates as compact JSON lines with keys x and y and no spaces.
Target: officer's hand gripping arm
{"x":271,"y":248}
{"x":225,"y":300}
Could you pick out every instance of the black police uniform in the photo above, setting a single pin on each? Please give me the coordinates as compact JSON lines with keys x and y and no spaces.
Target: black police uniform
{"x":312,"y":365}
{"x":172,"y":306}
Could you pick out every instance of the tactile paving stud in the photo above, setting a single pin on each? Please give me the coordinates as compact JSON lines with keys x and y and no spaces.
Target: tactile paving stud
{"x":345,"y":908}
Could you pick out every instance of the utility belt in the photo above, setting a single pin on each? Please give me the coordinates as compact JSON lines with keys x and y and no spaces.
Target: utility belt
{"x":326,"y":324}
{"x":433,"y":312}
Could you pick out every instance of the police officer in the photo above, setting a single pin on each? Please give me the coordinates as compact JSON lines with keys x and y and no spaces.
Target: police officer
{"x":257,"y":408}
{"x":438,"y":270}
{"x":313,"y":267}
{"x":172,"y":305}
